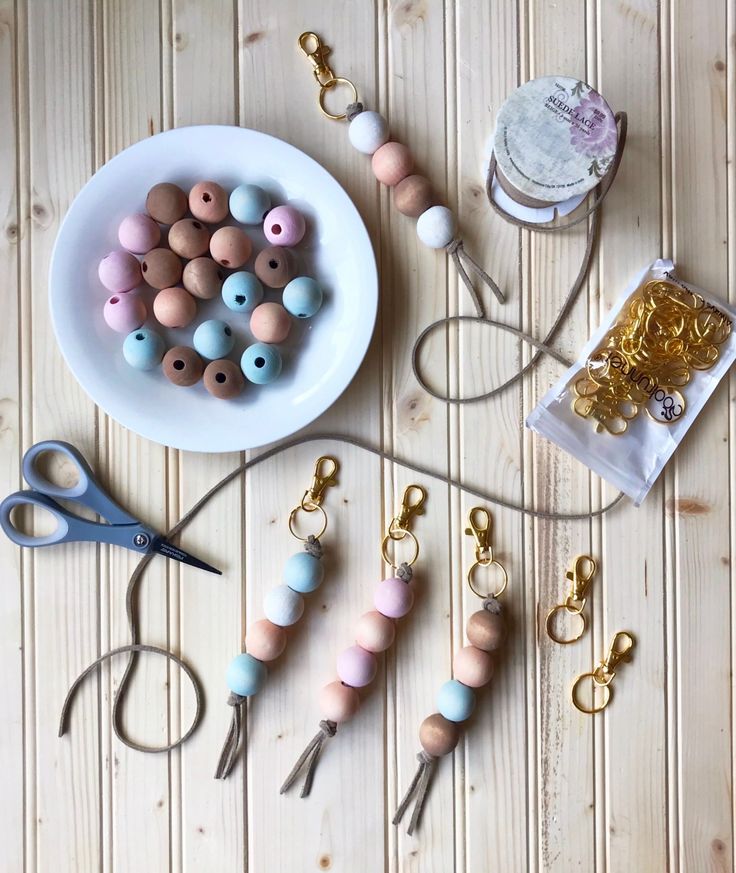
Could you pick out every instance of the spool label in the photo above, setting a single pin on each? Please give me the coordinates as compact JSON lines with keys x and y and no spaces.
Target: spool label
{"x":555,"y":138}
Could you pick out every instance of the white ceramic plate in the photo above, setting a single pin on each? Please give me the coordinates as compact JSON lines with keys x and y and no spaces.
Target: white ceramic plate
{"x":321,"y":355}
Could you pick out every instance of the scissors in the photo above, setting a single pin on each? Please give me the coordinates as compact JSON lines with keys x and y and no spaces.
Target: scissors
{"x":123,"y":529}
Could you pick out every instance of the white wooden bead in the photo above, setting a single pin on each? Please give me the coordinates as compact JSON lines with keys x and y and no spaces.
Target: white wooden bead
{"x":436,"y":227}
{"x":283,"y":606}
{"x":368,"y":131}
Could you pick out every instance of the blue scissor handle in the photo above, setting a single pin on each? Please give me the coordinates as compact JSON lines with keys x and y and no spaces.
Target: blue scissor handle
{"x":70,"y":527}
{"x":86,"y":491}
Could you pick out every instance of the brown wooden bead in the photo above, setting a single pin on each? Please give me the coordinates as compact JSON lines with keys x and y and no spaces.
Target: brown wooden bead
{"x":203,"y":278}
{"x":161,"y":268}
{"x":486,"y":630}
{"x":189,"y":238}
{"x":182,"y":366}
{"x":223,"y":379}
{"x":275,"y":266}
{"x":413,"y":196}
{"x":166,"y":203}
{"x":438,"y":736}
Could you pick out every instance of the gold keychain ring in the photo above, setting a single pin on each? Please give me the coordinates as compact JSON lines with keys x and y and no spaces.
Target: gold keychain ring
{"x":485,"y":563}
{"x":607,"y":693}
{"x":392,"y":537}
{"x":302,"y":508}
{"x":327,"y":86}
{"x":549,"y":623}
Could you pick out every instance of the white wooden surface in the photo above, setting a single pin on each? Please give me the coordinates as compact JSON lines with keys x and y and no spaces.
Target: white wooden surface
{"x":534,"y":786}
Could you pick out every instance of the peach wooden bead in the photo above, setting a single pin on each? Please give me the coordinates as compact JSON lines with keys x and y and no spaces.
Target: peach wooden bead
{"x":392,"y":163}
{"x":486,"y":630}
{"x":270,"y":323}
{"x":264,"y":640}
{"x":473,"y":667}
{"x":413,"y":196}
{"x":231,"y":247}
{"x":174,"y":307}
{"x":338,"y":702}
{"x":374,"y":632}
{"x":438,"y":736}
{"x":208,"y":202}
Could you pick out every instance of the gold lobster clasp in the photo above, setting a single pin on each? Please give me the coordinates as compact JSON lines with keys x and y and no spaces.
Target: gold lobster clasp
{"x":602,"y":676}
{"x":317,"y":53}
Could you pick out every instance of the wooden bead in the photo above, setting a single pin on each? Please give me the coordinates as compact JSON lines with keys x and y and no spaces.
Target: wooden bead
{"x":375,"y":632}
{"x":284,"y":226}
{"x":223,"y":379}
{"x":275,"y":266}
{"x":393,"y":598}
{"x":161,"y":268}
{"x":208,"y":202}
{"x":473,"y":667}
{"x":231,"y":247}
{"x":270,"y":323}
{"x":338,"y":702}
{"x":392,"y":163}
{"x":486,"y":630}
{"x":174,"y":307}
{"x":356,"y":666}
{"x":183,"y":366}
{"x":436,"y":227}
{"x":413,"y":196}
{"x":438,"y":736}
{"x":203,"y":278}
{"x":368,"y":131}
{"x":166,"y":203}
{"x":264,"y":640}
{"x":189,"y":238}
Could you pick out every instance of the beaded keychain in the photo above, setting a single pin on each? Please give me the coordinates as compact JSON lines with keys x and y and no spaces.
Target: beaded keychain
{"x":473,"y":667}
{"x":374,"y":633}
{"x":283,"y":606}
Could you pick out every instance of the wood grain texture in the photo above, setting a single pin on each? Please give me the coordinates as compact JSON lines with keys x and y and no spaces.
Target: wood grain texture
{"x":534,"y":786}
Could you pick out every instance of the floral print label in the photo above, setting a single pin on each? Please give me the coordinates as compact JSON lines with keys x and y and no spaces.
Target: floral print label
{"x":555,"y":138}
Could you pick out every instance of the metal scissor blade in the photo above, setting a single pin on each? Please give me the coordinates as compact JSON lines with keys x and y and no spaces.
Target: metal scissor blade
{"x":168,"y":550}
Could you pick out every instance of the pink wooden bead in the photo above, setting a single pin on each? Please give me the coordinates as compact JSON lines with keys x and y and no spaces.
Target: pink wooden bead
{"x":270,"y":323}
{"x":338,"y":702}
{"x":392,"y":163}
{"x":356,"y":666}
{"x":174,"y":307}
{"x":119,"y":271}
{"x":284,"y":226}
{"x":393,"y":598}
{"x":125,"y":312}
{"x":473,"y":667}
{"x":139,"y":233}
{"x":264,"y":640}
{"x":375,"y":632}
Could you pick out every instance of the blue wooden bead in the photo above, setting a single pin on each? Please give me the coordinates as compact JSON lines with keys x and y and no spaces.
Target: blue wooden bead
{"x":213,"y":339}
{"x":303,"y":573}
{"x":245,"y":675}
{"x":249,"y":204}
{"x":143,"y":349}
{"x":302,"y":297}
{"x":455,"y":701}
{"x":242,"y":291}
{"x":261,"y":363}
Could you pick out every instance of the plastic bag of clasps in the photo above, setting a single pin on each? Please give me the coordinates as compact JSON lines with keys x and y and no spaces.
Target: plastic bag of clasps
{"x":638,"y":384}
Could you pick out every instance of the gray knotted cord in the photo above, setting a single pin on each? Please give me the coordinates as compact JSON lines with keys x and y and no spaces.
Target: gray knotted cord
{"x":404,"y":572}
{"x":310,"y":757}
{"x":419,"y":784}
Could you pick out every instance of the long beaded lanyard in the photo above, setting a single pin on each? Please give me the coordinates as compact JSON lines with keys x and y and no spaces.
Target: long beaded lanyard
{"x":283,"y":606}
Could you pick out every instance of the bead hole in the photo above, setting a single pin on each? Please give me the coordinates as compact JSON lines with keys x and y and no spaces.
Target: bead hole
{"x":114,"y":300}
{"x":178,"y":364}
{"x":239,"y":299}
{"x":206,"y":197}
{"x":273,"y":263}
{"x":302,"y":315}
{"x":228,"y":332}
{"x":220,"y":377}
{"x":260,"y":362}
{"x":276,"y":228}
{"x":197,"y":225}
{"x":225,"y":262}
{"x":144,"y":267}
{"x":140,"y":336}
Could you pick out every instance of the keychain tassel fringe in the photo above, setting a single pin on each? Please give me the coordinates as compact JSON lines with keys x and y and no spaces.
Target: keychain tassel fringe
{"x":229,"y":751}
{"x":419,"y":786}
{"x":464,"y":262}
{"x":310,"y":757}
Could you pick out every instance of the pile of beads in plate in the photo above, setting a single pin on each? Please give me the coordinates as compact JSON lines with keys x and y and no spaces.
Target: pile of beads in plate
{"x":202,"y":258}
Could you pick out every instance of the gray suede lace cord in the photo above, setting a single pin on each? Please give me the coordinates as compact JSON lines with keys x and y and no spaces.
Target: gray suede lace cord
{"x":310,"y":757}
{"x":228,"y":753}
{"x":404,"y":572}
{"x":419,"y":786}
{"x":463,"y":262}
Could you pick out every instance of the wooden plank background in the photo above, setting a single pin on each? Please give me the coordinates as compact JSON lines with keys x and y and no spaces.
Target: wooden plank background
{"x":534,"y":786}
